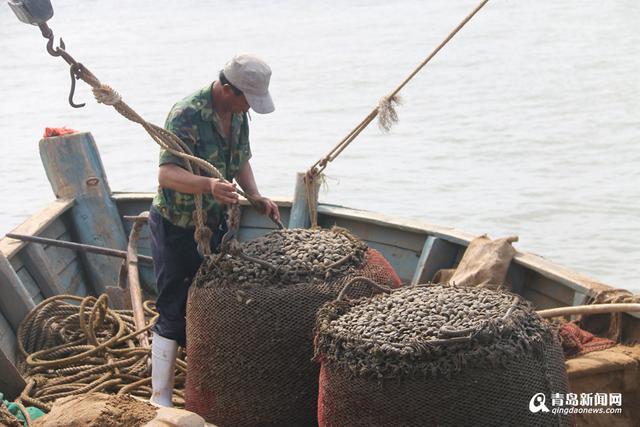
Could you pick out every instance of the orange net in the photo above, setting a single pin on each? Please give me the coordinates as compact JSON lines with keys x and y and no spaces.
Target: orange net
{"x":576,"y":341}
{"x":49,"y":132}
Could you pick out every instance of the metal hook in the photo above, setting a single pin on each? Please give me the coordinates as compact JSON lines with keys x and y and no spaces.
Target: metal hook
{"x":48,"y":34}
{"x":74,"y":77}
{"x":74,"y":69}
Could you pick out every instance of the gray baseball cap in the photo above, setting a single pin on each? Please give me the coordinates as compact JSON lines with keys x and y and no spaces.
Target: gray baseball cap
{"x":251,"y":75}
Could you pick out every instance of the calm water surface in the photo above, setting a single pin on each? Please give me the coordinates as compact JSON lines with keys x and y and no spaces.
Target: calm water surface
{"x":528,"y":123}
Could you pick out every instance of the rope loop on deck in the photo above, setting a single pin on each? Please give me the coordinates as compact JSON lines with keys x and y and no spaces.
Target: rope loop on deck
{"x":73,"y":345}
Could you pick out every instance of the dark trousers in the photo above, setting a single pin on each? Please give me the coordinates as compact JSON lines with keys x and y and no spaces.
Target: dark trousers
{"x":176,"y":261}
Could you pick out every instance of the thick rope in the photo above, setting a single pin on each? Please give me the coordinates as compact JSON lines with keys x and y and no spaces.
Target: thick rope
{"x":104,"y":94}
{"x":385,"y":109}
{"x":614,"y":297}
{"x":93,"y":348}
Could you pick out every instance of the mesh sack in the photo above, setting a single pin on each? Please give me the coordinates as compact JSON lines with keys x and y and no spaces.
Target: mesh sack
{"x":250,"y":327}
{"x":437,"y":355}
{"x":576,"y":341}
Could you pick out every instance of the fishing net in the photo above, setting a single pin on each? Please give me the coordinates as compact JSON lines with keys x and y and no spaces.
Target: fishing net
{"x":250,"y":318}
{"x":576,"y":341}
{"x":437,"y":355}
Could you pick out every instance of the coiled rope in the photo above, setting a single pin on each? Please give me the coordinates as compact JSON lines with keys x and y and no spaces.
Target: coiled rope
{"x":73,"y":345}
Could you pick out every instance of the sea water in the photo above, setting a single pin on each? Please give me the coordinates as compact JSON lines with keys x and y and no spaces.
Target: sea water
{"x":527,"y":123}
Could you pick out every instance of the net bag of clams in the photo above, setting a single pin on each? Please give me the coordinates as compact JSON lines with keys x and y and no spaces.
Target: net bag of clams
{"x":250,"y":319}
{"x":437,"y":355}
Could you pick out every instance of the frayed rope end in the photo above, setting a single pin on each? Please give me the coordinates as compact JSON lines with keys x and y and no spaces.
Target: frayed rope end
{"x":387,"y":115}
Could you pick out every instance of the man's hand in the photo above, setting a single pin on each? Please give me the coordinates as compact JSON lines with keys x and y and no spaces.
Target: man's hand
{"x":268,"y":207}
{"x":223,"y":192}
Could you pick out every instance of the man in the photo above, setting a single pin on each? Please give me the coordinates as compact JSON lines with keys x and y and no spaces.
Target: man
{"x":212,"y":122}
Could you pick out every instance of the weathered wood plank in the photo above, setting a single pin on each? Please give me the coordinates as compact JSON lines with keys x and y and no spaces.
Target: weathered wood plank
{"x":436,"y":254}
{"x":73,"y":281}
{"x":252,"y":218}
{"x":541,"y":301}
{"x":134,"y":276}
{"x":35,"y":225}
{"x":390,"y":223}
{"x":402,"y":260}
{"x":15,"y":302}
{"x":30,"y":285}
{"x":7,"y":340}
{"x":145,"y":271}
{"x":57,"y":229}
{"x":300,"y":209}
{"x":579,"y":299}
{"x":75,"y":170}
{"x":517,"y":277}
{"x":60,"y":258}
{"x":559,"y":274}
{"x":38,"y":264}
{"x":249,"y":233}
{"x":147,"y":276}
{"x":550,"y":288}
{"x":16,"y":262}
{"x":131,"y":207}
{"x":11,"y":382}
{"x":371,"y":232}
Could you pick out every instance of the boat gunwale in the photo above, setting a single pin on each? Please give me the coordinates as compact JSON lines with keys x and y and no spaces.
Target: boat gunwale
{"x":577,"y":281}
{"x":34,"y":225}
{"x":580,"y":283}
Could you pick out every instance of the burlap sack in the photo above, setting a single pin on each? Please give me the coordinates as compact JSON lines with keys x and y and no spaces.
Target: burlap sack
{"x":484,"y":263}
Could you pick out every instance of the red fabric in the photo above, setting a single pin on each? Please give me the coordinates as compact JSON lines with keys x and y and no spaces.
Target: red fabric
{"x":322,"y":417}
{"x":49,"y":132}
{"x":386,"y":272}
{"x":577,"y":341}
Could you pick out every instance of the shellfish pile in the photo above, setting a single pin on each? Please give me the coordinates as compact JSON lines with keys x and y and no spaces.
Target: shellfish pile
{"x":284,"y":257}
{"x":428,"y":329}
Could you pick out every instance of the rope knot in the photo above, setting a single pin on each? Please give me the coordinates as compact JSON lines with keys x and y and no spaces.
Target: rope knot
{"x":387,"y":115}
{"x":105,"y":94}
{"x":203,"y":234}
{"x":233,"y":222}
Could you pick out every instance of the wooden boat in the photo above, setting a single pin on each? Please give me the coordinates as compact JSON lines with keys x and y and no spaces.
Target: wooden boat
{"x":86,"y":211}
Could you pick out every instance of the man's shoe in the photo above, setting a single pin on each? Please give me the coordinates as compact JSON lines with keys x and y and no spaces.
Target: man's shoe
{"x":163,"y":360}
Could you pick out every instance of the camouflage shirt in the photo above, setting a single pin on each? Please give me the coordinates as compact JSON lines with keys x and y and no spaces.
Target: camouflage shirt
{"x":194,"y":122}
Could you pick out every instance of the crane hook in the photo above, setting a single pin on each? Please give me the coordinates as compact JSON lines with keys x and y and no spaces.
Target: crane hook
{"x":60,"y":51}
